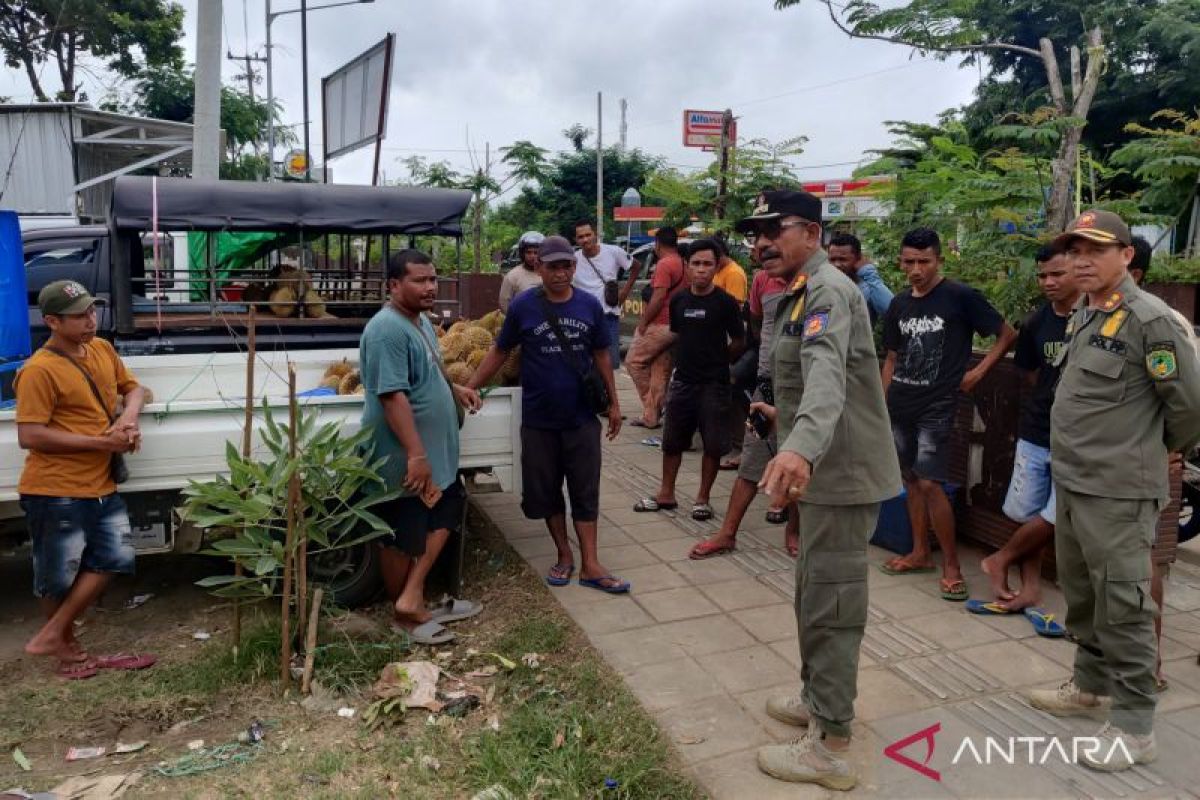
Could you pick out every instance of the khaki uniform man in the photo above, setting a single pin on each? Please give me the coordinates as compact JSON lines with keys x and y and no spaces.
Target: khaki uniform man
{"x":1128,"y":394}
{"x":831,"y":417}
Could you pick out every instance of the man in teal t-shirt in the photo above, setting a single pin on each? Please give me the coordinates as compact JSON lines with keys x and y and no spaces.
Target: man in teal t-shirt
{"x":409,"y":408}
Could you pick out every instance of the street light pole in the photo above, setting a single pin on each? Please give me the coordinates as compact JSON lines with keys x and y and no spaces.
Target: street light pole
{"x":304,"y":78}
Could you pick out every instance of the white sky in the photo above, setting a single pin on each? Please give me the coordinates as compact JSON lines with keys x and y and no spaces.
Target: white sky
{"x":468,"y":72}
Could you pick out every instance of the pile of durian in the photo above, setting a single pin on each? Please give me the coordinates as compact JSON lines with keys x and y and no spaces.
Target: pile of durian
{"x":343,"y":377}
{"x":290,"y":293}
{"x":465,"y":344}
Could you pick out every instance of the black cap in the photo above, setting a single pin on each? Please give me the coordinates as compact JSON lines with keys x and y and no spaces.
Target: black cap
{"x":782,"y":203}
{"x":555,"y":248}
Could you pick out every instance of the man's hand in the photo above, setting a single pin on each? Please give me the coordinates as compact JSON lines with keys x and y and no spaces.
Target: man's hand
{"x":640,"y":330}
{"x":131,"y":428}
{"x":418,"y":476}
{"x":768,"y":411}
{"x":971,"y":379}
{"x":614,"y":420}
{"x":786,"y":478}
{"x":119,"y":440}
{"x":469,"y":397}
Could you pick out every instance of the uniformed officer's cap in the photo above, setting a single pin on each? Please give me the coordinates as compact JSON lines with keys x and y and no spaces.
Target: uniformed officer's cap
{"x":1095,"y":225}
{"x":782,"y":203}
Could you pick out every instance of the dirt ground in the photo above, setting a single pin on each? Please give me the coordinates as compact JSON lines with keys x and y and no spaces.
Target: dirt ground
{"x":537,"y":732}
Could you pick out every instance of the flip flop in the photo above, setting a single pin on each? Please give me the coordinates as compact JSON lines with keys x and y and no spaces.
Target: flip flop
{"x":649,"y":505}
{"x":618,"y":586}
{"x":652,"y":441}
{"x":729,"y":464}
{"x":125,"y":661}
{"x":1161,"y":685}
{"x":887,"y":567}
{"x":560,"y":574}
{"x":79,"y":671}
{"x":954,"y":590}
{"x":1044,"y":623}
{"x":453,"y":610}
{"x":776,"y":516}
{"x":708,"y":549}
{"x":638,"y":423}
{"x":702,"y":512}
{"x":429,"y":633}
{"x":988,"y":608}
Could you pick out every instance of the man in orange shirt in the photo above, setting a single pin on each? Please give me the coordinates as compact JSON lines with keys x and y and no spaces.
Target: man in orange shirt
{"x":731,"y":277}
{"x":649,"y":360}
{"x":67,"y":396}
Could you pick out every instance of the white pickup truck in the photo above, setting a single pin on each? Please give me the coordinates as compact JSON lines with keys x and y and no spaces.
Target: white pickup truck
{"x":199,"y":405}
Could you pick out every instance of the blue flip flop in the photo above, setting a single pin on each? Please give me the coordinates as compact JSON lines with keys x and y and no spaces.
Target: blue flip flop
{"x":560,"y":574}
{"x":1044,"y":623}
{"x":598,"y":583}
{"x":987,"y":608}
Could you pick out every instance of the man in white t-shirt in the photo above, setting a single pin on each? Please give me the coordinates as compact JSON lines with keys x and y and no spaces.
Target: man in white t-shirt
{"x":595,"y":265}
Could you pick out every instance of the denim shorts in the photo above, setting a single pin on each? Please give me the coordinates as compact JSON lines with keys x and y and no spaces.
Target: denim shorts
{"x":71,"y":534}
{"x":1031,"y":491}
{"x":923,"y":444}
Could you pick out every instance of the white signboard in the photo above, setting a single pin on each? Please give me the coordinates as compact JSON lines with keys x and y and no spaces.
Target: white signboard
{"x":703,"y":128}
{"x":355,"y":100}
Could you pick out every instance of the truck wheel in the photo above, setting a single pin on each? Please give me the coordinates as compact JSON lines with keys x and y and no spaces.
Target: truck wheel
{"x":1189,"y":519}
{"x":350,"y":576}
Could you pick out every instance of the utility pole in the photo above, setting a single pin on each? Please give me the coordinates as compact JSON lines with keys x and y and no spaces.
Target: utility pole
{"x":249,"y":75}
{"x":624,"y":127}
{"x":480,"y":175}
{"x":206,"y":127}
{"x":304,"y":78}
{"x":600,"y":166}
{"x":726,"y":125}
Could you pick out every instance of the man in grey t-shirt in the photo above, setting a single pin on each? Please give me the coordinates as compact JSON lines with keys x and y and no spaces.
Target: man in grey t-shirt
{"x":596,"y":264}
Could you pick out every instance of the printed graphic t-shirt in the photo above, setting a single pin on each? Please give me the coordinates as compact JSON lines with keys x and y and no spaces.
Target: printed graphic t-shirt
{"x":705,"y":324}
{"x":1039,"y":341}
{"x":931,"y":336}
{"x":551,"y":384}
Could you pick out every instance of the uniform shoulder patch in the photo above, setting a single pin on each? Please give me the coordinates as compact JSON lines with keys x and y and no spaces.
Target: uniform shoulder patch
{"x":1160,"y":361}
{"x":815,"y":324}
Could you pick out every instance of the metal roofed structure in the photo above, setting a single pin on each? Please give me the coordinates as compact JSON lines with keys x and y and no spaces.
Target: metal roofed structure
{"x":61,"y":159}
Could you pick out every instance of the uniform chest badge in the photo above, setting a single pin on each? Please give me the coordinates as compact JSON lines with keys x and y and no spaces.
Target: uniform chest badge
{"x":815,"y":324}
{"x":1161,"y":363}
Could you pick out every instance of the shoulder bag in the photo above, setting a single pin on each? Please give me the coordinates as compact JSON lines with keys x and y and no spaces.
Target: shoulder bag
{"x":116,"y":467}
{"x":612,"y":289}
{"x":592,"y":387}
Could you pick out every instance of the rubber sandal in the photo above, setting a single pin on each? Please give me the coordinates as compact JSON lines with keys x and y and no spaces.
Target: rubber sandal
{"x":776,"y":516}
{"x":708,"y":549}
{"x":652,"y":441}
{"x":1161,"y":685}
{"x":80,"y":671}
{"x":125,"y":661}
{"x":650,"y":505}
{"x":702,"y":512}
{"x":638,"y":423}
{"x":560,"y":574}
{"x":887,"y":567}
{"x":988,"y":608}
{"x":1044,"y":623}
{"x":454,"y":610}
{"x":954,"y":590}
{"x":429,"y":633}
{"x":617,"y":587}
{"x":729,"y":465}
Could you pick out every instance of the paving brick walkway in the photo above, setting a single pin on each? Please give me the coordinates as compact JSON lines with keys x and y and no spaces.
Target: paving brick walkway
{"x":703,"y":643}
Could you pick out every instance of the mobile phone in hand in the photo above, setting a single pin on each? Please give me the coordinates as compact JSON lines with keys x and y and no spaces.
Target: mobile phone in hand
{"x":759,"y":423}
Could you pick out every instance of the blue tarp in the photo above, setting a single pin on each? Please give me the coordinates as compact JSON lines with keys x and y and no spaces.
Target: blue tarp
{"x":15,"y":343}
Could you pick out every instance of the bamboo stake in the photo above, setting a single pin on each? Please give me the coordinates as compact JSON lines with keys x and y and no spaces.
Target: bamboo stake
{"x":247,"y":438}
{"x":310,"y":641}
{"x":285,"y":657}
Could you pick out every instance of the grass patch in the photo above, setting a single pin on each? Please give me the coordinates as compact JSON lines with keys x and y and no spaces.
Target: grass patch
{"x":533,"y":635}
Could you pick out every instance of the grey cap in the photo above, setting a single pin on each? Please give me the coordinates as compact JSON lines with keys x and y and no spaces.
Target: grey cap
{"x":556,"y":248}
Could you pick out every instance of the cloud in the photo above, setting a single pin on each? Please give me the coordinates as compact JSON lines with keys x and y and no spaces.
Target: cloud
{"x":480,"y":71}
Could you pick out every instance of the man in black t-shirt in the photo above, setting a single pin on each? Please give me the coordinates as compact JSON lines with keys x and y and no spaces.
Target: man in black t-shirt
{"x":708,"y":324}
{"x":927,"y":332}
{"x":1030,"y":499}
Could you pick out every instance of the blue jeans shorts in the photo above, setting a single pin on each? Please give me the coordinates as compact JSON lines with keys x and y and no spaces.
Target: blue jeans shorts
{"x":1031,"y":491}
{"x":613,"y":321}
{"x":72,"y":534}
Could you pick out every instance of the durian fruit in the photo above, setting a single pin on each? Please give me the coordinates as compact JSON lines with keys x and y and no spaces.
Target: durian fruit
{"x":492,"y":321}
{"x":283,"y":302}
{"x":457,"y":327}
{"x":360,"y":390}
{"x":350,"y":383}
{"x":455,"y":347}
{"x":478,"y":337}
{"x":314,"y":305}
{"x":510,"y":372}
{"x":338,"y":368}
{"x":255,"y":293}
{"x":475,"y":357}
{"x":459,"y":372}
{"x":331,"y":382}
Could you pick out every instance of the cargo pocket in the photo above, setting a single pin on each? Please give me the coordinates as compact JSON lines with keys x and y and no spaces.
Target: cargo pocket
{"x":1127,"y":592}
{"x":836,"y":595}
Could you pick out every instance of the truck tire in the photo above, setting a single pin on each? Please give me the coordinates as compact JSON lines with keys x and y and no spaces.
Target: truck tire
{"x":351,"y":577}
